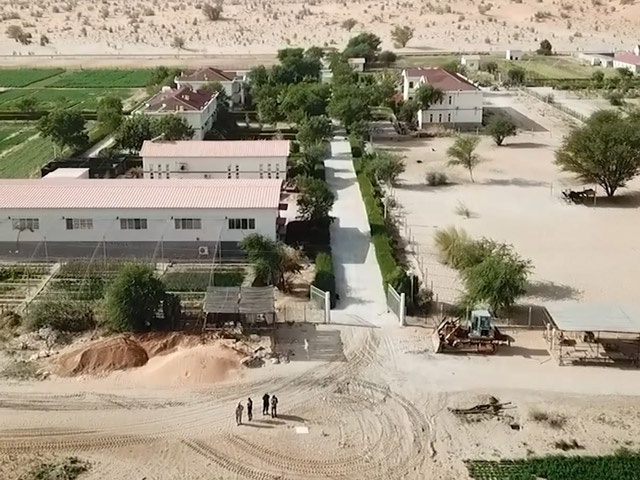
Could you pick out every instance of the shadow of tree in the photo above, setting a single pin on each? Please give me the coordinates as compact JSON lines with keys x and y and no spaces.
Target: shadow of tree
{"x":553,"y":291}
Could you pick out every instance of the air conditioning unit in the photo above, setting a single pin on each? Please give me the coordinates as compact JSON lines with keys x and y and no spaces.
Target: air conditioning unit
{"x":203,"y":250}
{"x":183,"y":167}
{"x":206,"y":175}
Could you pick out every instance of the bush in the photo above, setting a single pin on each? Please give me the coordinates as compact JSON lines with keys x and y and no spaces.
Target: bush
{"x":311,"y":238}
{"x":60,"y":315}
{"x":436,"y":179}
{"x":324,"y":278}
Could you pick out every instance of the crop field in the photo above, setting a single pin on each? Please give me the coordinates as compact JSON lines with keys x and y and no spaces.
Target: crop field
{"x":13,"y":134}
{"x":556,"y":68}
{"x":18,"y":280}
{"x":26,"y":76}
{"x":103,"y":79}
{"x":47,"y":98}
{"x":621,"y":466}
{"x":26,"y":159}
{"x":197,"y":279}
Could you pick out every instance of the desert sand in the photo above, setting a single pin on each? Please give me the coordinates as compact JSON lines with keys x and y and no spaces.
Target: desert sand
{"x":82,"y":27}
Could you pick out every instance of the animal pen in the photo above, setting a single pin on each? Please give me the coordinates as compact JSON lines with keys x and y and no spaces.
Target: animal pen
{"x":593,"y":334}
{"x":252,"y":307}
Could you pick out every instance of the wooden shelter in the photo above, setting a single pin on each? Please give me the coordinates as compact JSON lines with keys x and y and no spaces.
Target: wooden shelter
{"x":247,"y":306}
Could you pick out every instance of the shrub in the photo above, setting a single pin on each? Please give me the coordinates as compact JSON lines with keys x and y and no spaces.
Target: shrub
{"x":20,"y":370}
{"x":615,"y":98}
{"x":61,"y":315}
{"x":324,"y":278}
{"x":436,"y":179}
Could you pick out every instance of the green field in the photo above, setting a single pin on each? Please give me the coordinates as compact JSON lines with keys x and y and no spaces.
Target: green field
{"x":103,"y":79}
{"x":12,"y":134}
{"x":48,"y":98}
{"x":556,"y":68}
{"x":622,"y":466}
{"x":26,"y":76}
{"x":27,"y":159}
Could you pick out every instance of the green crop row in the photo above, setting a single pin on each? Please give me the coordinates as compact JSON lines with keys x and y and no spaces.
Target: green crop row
{"x":199,"y":281}
{"x":623,"y":465}
{"x":26,"y":159}
{"x":22,"y":77}
{"x":47,"y":99}
{"x":104,"y":78}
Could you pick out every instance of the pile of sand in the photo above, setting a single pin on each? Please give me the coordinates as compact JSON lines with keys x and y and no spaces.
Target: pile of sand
{"x":161,"y":343}
{"x":204,"y":364}
{"x":103,"y":356}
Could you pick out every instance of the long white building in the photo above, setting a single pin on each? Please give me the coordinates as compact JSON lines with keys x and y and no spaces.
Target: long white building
{"x":174,"y":219}
{"x":461,"y":103}
{"x":235,"y":159}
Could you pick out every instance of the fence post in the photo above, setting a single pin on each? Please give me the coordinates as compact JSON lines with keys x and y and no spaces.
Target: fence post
{"x":530,"y":315}
{"x":327,"y":307}
{"x":402,"y":309}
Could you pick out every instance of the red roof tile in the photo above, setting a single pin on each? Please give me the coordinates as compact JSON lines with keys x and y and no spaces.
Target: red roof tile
{"x":136,"y":193}
{"x":183,"y":98}
{"x":206,"y":74}
{"x":441,"y":78}
{"x":627,"y":57}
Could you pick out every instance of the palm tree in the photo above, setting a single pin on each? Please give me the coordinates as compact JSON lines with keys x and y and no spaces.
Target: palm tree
{"x":462,"y":153}
{"x":272,"y":260}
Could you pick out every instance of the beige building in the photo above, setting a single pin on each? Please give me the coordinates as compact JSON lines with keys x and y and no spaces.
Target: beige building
{"x":233,"y":82}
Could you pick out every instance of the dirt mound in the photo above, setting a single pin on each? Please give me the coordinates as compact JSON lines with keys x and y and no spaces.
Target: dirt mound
{"x":195,"y":365}
{"x":104,"y":356}
{"x":160,"y":343}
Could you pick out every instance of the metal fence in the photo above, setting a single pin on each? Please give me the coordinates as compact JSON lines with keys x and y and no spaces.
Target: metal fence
{"x":562,"y":108}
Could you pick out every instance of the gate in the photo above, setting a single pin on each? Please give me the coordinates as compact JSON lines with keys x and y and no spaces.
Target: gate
{"x":396,"y":303}
{"x":322,"y":301}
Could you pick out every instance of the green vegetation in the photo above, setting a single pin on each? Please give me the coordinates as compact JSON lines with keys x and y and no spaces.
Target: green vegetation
{"x":13,"y":134}
{"x":26,"y":76}
{"x":104,"y":78}
{"x":19,"y":370}
{"x":462,"y":153}
{"x":69,"y":468}
{"x":199,"y":281}
{"x":47,"y":98}
{"x":60,"y":315}
{"x":621,"y":466}
{"x":26,"y":159}
{"x":324,"y":278}
{"x":273,"y":261}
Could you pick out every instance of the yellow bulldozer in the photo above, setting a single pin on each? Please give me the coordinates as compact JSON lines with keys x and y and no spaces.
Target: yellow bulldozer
{"x":476,"y":334}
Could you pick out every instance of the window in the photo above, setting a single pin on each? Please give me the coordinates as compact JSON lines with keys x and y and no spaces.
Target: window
{"x":431,"y":118}
{"x":151,"y":171}
{"x":277,"y":171}
{"x":133,"y":224}
{"x":261,"y":170}
{"x":26,"y":224}
{"x":167,"y":170}
{"x":439,"y":118}
{"x":237,"y":171}
{"x":448,"y":118}
{"x":450,"y":99}
{"x":188,"y":223}
{"x":410,"y":84}
{"x":228,"y":171}
{"x":242,"y":224}
{"x":79,"y":223}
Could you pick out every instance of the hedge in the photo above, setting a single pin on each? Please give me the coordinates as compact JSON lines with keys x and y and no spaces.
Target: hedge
{"x":324,"y":278}
{"x":380,"y":235}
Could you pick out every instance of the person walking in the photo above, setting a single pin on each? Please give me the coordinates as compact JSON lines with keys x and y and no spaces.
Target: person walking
{"x":239,"y":409}
{"x":265,"y":404}
{"x":249,"y":409}
{"x":306,"y":347}
{"x":274,"y":406}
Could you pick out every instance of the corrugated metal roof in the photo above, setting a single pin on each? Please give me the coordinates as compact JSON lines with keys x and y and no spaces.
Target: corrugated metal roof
{"x":589,"y":317}
{"x":135,"y":193}
{"x":216,"y":149}
{"x":239,"y":300}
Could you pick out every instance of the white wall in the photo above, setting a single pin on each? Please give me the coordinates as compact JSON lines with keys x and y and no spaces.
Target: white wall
{"x":52,"y":225}
{"x":457,"y":107}
{"x":627,"y":66}
{"x":201,"y":121}
{"x":198,"y":167}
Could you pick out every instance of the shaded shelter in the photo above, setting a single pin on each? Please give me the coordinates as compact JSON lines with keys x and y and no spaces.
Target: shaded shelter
{"x":247,"y":306}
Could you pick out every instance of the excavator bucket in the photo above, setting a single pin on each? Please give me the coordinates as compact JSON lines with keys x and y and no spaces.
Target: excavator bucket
{"x":437,"y":343}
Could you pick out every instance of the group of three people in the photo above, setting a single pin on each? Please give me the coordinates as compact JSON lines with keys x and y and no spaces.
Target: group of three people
{"x":266,"y":402}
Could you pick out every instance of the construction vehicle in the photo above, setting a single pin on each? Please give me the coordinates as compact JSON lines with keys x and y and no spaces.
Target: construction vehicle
{"x":477,"y":334}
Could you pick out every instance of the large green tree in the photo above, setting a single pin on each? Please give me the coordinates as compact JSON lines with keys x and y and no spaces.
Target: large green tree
{"x":172,"y":128}
{"x":350,"y":104}
{"x":605,"y":151}
{"x":133,"y":298}
{"x":426,"y":95}
{"x":65,"y":128}
{"x":304,"y":99}
{"x":315,"y":200}
{"x":501,"y":127}
{"x":462,"y":153}
{"x":133,"y":131}
{"x":401,"y":35}
{"x":365,"y":45}
{"x":384,"y":166}
{"x":109,"y":113}
{"x":314,"y":130}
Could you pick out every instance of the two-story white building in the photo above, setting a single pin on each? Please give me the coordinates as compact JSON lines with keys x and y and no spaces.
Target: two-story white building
{"x":197,"y":107}
{"x":461,"y":104}
{"x":233,"y":82}
{"x":173,"y":219}
{"x":227,"y":159}
{"x":628,"y":60}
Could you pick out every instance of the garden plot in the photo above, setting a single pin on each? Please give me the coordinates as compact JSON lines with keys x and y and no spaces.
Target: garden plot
{"x":50,"y":98}
{"x":104,"y":78}
{"x":13,"y":134}
{"x":19,"y":281}
{"x":21,"y":77}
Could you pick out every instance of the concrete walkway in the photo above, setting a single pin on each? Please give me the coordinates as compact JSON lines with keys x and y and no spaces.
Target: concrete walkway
{"x":358,"y":278}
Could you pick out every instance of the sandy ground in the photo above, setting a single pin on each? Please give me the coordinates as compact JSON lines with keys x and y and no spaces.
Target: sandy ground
{"x":375,"y":402}
{"x":81,"y":27}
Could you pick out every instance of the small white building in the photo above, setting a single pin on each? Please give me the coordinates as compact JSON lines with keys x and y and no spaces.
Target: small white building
{"x":197,"y":107}
{"x":357,"y":63}
{"x":67,"y":173}
{"x":461,"y":103}
{"x":233,"y":159}
{"x":174,"y":219}
{"x":233,"y":82}
{"x":514,"y":55}
{"x":628,"y":60}
{"x":471,"y":62}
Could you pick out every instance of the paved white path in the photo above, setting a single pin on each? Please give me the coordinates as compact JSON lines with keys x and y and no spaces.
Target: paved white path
{"x":358,"y":278}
